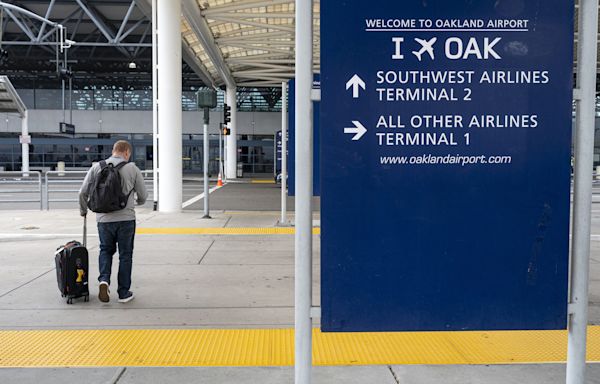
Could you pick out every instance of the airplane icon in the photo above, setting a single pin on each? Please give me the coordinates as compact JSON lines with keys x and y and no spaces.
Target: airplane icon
{"x":426,"y":46}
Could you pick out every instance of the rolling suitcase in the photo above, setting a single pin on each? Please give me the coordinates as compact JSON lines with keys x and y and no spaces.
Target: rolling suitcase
{"x":72,"y":268}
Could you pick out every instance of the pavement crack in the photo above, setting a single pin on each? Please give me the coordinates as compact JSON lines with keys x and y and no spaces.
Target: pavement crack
{"x":206,"y":252}
{"x":117,"y":376}
{"x":393,"y":374}
{"x":28,"y":282}
{"x":227,"y":222}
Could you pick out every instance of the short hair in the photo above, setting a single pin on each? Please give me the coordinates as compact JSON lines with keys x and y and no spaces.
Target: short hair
{"x":122,"y":146}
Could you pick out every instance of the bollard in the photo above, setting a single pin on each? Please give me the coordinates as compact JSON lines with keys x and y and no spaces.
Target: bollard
{"x":60,"y":167}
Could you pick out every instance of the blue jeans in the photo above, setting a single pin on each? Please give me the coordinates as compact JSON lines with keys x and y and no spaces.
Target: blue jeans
{"x":121,"y":233}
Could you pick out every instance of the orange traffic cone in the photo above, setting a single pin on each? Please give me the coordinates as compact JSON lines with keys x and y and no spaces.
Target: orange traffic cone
{"x":220,"y":180}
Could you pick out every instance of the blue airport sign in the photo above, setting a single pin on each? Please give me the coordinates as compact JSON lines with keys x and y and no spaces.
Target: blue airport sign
{"x":445,"y":164}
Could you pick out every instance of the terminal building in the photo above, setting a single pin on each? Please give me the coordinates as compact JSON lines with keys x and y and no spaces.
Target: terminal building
{"x":110,"y":91}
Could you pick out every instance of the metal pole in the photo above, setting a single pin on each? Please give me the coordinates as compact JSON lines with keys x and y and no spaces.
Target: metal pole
{"x":170,"y":182}
{"x":47,"y":192}
{"x":206,"y":156}
{"x":70,"y":100}
{"x":582,"y":201}
{"x":64,"y":65}
{"x":225,"y":158}
{"x":220,"y":152}
{"x":284,"y":127}
{"x":232,"y":138}
{"x":304,"y":187}
{"x":63,"y":100}
{"x":40,"y":187}
{"x":154,"y":109}
{"x":25,"y":145}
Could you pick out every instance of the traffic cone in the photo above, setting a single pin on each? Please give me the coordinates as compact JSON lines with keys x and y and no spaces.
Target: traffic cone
{"x":220,"y":180}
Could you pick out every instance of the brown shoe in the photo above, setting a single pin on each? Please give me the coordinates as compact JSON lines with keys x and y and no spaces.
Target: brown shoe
{"x":103,"y":294}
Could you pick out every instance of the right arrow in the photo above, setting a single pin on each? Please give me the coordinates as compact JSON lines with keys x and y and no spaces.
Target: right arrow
{"x":355,"y":82}
{"x":359,"y":130}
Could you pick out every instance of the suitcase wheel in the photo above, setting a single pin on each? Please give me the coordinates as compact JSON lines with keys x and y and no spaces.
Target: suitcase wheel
{"x":86,"y":298}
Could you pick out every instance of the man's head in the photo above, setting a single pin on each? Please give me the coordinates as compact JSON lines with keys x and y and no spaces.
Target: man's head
{"x":122,"y":149}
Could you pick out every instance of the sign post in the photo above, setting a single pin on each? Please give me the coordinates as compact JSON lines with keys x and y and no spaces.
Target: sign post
{"x":206,"y":99}
{"x":284,"y":153}
{"x":585,"y":97}
{"x":446,"y":145}
{"x":304,"y":160}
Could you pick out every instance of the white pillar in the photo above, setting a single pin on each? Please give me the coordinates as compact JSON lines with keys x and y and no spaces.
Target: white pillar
{"x":169,"y":105}
{"x":154,"y":107}
{"x":25,"y":145}
{"x":304,"y":191}
{"x":231,"y":171}
{"x":582,"y":191}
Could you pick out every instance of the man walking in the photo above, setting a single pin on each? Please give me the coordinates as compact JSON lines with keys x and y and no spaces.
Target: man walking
{"x":108,"y":189}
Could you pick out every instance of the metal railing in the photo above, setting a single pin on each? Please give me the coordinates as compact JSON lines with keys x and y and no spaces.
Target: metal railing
{"x":21,"y":180}
{"x":71,"y":181}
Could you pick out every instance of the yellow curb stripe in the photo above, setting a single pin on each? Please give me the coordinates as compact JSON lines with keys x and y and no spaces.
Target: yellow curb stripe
{"x":275,"y":347}
{"x":222,"y":231}
{"x":262,"y":181}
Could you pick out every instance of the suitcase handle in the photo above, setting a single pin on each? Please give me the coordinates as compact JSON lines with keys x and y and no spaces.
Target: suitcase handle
{"x":85,"y":231}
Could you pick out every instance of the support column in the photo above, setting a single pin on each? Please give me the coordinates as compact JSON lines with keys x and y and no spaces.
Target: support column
{"x":154,"y":108}
{"x":304,"y":190}
{"x":25,"y":146}
{"x":231,"y":171}
{"x":582,"y":191}
{"x":169,"y":105}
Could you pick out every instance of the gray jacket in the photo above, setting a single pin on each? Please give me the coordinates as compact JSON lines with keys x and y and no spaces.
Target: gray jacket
{"x":131,"y":180}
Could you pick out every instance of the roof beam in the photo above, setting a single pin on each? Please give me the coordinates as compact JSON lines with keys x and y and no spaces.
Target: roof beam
{"x":238,"y":6}
{"x":48,"y":11}
{"x":198,"y":24}
{"x":125,"y":20}
{"x":255,"y":36}
{"x":279,"y":27}
{"x":258,"y":84}
{"x":272,"y":77}
{"x":192,"y":60}
{"x":187,"y":53}
{"x":263,"y":15}
{"x":267,"y":47}
{"x":20,"y":24}
{"x":97,"y":20}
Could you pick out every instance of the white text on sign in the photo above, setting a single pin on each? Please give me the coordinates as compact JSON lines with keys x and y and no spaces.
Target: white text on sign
{"x":455,"y":48}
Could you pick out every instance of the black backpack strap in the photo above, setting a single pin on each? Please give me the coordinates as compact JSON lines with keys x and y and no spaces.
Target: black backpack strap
{"x":121,"y":165}
{"x":118,"y":167}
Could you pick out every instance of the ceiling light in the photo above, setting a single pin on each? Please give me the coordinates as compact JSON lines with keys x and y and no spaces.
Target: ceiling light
{"x":132,"y":65}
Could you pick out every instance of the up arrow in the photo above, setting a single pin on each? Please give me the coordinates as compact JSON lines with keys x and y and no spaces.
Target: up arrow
{"x":359,"y":130}
{"x":355,"y":82}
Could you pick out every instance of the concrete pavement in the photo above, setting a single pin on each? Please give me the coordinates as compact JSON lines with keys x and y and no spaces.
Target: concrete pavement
{"x":202,"y":281}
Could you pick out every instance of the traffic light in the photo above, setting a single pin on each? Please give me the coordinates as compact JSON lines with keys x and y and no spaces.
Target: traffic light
{"x":3,"y":56}
{"x":225,"y":130}
{"x":226,"y":114}
{"x":64,"y":73}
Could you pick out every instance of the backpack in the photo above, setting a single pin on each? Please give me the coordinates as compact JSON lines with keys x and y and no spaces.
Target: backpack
{"x":107,"y":194}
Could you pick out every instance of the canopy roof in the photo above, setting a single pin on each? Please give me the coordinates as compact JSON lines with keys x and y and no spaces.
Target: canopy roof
{"x":255,"y":39}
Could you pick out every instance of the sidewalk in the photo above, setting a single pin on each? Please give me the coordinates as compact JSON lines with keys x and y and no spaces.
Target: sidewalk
{"x":214,"y":282}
